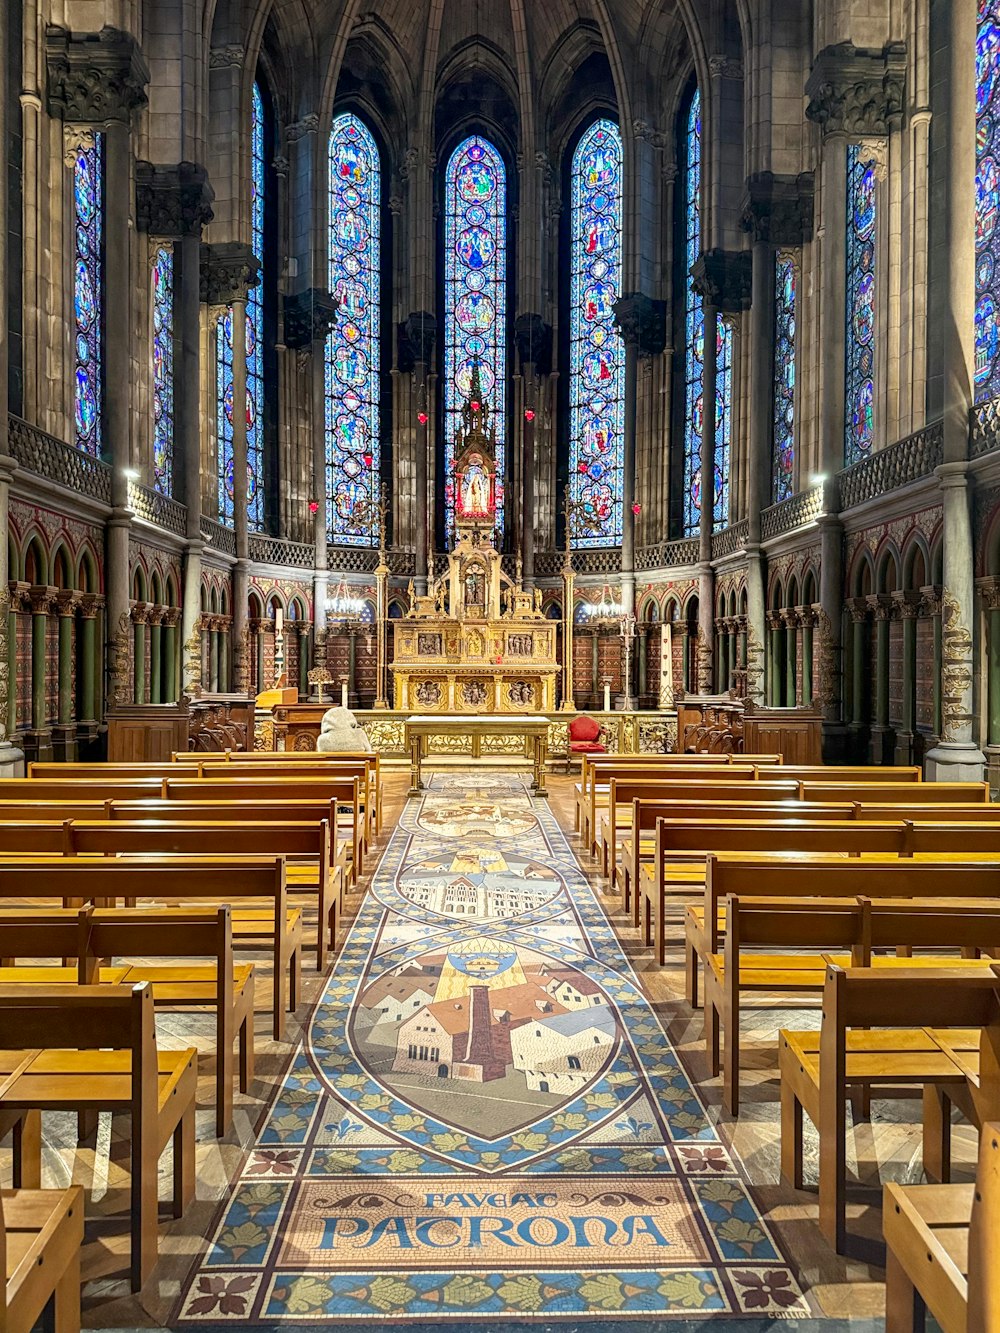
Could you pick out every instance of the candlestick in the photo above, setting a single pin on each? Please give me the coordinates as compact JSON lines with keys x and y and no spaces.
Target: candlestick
{"x":343,"y":694}
{"x":607,"y":698}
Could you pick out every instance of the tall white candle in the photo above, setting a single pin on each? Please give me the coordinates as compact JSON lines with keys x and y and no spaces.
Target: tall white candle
{"x":607,"y":698}
{"x":279,"y":620}
{"x":343,"y":694}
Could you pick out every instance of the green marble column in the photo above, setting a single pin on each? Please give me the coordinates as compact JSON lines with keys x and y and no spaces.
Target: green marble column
{"x":169,"y":676}
{"x":155,"y":662}
{"x":775,"y":663}
{"x":88,"y":661}
{"x":859,"y":620}
{"x":139,"y":654}
{"x":67,"y":611}
{"x":881,"y":611}
{"x":213,"y":658}
{"x":41,"y":601}
{"x":993,"y":661}
{"x":259,"y":631}
{"x":808,"y":620}
{"x":791,"y":645}
{"x":908,"y":609}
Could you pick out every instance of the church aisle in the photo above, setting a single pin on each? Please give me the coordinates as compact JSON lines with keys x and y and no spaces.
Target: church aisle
{"x":487,"y":1117}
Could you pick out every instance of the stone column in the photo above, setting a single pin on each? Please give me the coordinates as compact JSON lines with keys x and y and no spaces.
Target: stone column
{"x":213,"y":655}
{"x":907,"y":608}
{"x":42,"y":601}
{"x":641,"y":322}
{"x":880,"y":605}
{"x":140,"y":613}
{"x":790,"y":621}
{"x":155,"y":653}
{"x":87,"y":718}
{"x":807,"y":619}
{"x":169,"y":676}
{"x":64,"y":731}
{"x":859,"y":669}
{"x":421,"y":331}
{"x":534,"y":340}
{"x":991,"y":605}
{"x":776,"y":664}
{"x":309,"y":317}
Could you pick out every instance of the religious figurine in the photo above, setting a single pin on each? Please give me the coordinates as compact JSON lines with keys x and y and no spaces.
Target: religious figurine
{"x":538,"y":600}
{"x":476,"y":491}
{"x":410,"y":595}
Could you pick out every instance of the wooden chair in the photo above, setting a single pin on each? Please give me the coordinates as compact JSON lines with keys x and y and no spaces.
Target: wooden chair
{"x":941,"y":1250}
{"x":41,"y":1232}
{"x":875,"y":1034}
{"x":54,"y":1027}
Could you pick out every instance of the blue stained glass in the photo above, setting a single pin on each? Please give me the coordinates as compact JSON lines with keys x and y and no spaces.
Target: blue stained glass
{"x":723,"y":420}
{"x":255,"y":325}
{"x":783,"y":442}
{"x":352,"y":348}
{"x":987,"y":323}
{"x":253,"y":351}
{"x":163,"y":369}
{"x":475,"y":299}
{"x":88,"y":295}
{"x":694,"y":323}
{"x":597,"y":361}
{"x":862,"y":297}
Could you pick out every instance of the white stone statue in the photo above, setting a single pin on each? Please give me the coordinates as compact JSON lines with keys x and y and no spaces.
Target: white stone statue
{"x":340,"y":730}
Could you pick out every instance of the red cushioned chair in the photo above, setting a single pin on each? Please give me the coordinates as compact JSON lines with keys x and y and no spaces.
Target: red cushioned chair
{"x":585,"y":736}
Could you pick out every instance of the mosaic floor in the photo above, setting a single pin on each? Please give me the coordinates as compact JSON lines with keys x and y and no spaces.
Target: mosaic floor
{"x":487,"y":1119}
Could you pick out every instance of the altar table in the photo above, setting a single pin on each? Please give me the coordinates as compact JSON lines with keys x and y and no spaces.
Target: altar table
{"x":535,"y":729}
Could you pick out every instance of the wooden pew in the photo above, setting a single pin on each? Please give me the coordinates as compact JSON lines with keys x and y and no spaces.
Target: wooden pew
{"x":735,"y":786}
{"x":41,"y":1232}
{"x":885,"y":793}
{"x":879,"y":1030}
{"x":90,"y":936}
{"x":929,"y":811}
{"x":346,"y":791}
{"x":299,"y":842}
{"x":597,"y":787}
{"x":744,"y":875}
{"x":639,"y":844}
{"x":755,"y":838}
{"x":272,"y":926}
{"x":54,"y":1028}
{"x":841,"y":773}
{"x":262,"y":812}
{"x":277,"y":762}
{"x":860,"y":927}
{"x":941,"y":1250}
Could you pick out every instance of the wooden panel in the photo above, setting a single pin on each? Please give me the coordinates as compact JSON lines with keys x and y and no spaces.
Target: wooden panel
{"x":146,"y":732}
{"x":796,"y":733}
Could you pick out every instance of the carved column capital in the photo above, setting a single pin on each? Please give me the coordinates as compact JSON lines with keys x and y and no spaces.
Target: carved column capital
{"x":171,"y":616}
{"x":857,"y":609}
{"x":419,"y":333}
{"x":67,"y":601}
{"x":856,"y":91}
{"x":906,"y":604}
{"x":140,"y":613}
{"x":94,"y":77}
{"x":88,"y":604}
{"x":723,"y":278}
{"x":309,"y":316}
{"x":880,"y":605}
{"x":42,"y":599}
{"x":533,"y":338}
{"x":172,"y":200}
{"x":779,"y":209}
{"x":641,"y":320}
{"x":228,"y":270}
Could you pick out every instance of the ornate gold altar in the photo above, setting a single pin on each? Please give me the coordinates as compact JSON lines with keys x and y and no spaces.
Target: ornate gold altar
{"x":476,"y":642}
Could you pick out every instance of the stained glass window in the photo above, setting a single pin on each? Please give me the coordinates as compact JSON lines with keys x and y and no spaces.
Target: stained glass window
{"x":783,"y":443}
{"x":475,"y":297}
{"x":987,"y":329}
{"x":597,"y":362}
{"x":352,"y":348}
{"x":694,"y":322}
{"x":859,"y":399}
{"x":88,"y":294}
{"x":254,"y":353}
{"x":255,"y":325}
{"x":723,"y":419}
{"x":163,"y":369}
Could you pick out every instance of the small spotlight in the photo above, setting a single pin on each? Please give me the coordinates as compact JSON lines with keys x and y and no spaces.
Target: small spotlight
{"x":818,"y":478}
{"x":130,"y":474}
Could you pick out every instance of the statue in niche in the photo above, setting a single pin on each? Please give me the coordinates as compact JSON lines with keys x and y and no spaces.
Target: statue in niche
{"x":474,"y":644}
{"x":429,"y":645}
{"x":475,"y":592}
{"x":474,"y":693}
{"x":428,"y":693}
{"x":519,"y":645}
{"x":475,"y":493}
{"x":521,"y":692}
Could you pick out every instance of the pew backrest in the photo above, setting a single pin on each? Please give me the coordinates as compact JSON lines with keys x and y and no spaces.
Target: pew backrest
{"x":884,"y":793}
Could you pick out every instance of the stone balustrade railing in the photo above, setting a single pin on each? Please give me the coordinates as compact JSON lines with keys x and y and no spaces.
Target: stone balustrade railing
{"x":727,"y":541}
{"x":45,"y":455}
{"x":795,"y":512}
{"x":896,"y":465}
{"x":160,"y":510}
{"x":267,"y":550}
{"x":984,"y":435}
{"x":218,"y":536}
{"x":663,"y":555}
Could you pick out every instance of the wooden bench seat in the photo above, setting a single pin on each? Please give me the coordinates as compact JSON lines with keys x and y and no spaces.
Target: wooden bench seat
{"x":823,"y":927}
{"x":599,"y":787}
{"x":52,"y":1027}
{"x":941,"y":1250}
{"x":878,"y":1033}
{"x":41,"y":1233}
{"x":885,"y":793}
{"x":253,"y":887}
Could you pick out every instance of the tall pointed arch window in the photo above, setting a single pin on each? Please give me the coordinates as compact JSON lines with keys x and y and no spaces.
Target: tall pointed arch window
{"x":987,"y":327}
{"x":475,"y":299}
{"x":694,"y":322}
{"x":88,"y":295}
{"x":352,"y":347}
{"x":253,"y":352}
{"x":597,"y":362}
{"x":163,"y":368}
{"x":723,"y":419}
{"x":862,"y":228}
{"x":783,"y":441}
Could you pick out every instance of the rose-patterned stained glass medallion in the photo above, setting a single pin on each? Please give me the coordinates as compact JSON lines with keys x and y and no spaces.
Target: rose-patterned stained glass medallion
{"x":597,"y":362}
{"x":475,"y":299}
{"x":352,"y":386}
{"x":862,"y":305}
{"x":88,"y":294}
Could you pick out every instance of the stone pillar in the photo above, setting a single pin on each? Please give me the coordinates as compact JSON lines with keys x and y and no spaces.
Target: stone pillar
{"x":991,"y":602}
{"x":309,"y":317}
{"x":64,"y":739}
{"x":907,"y":607}
{"x":881,"y":747}
{"x":168,"y":677}
{"x":140,"y":615}
{"x":807,"y":619}
{"x":859,"y":671}
{"x":775,"y":675}
{"x":534,"y":340}
{"x":790,"y":621}
{"x":39,"y":739}
{"x":87,"y":717}
{"x":155,"y":654}
{"x":421,"y":330}
{"x":213,"y":655}
{"x":641,"y":323}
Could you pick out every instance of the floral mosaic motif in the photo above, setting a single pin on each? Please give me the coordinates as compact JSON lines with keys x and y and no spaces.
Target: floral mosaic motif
{"x":354,"y":1152}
